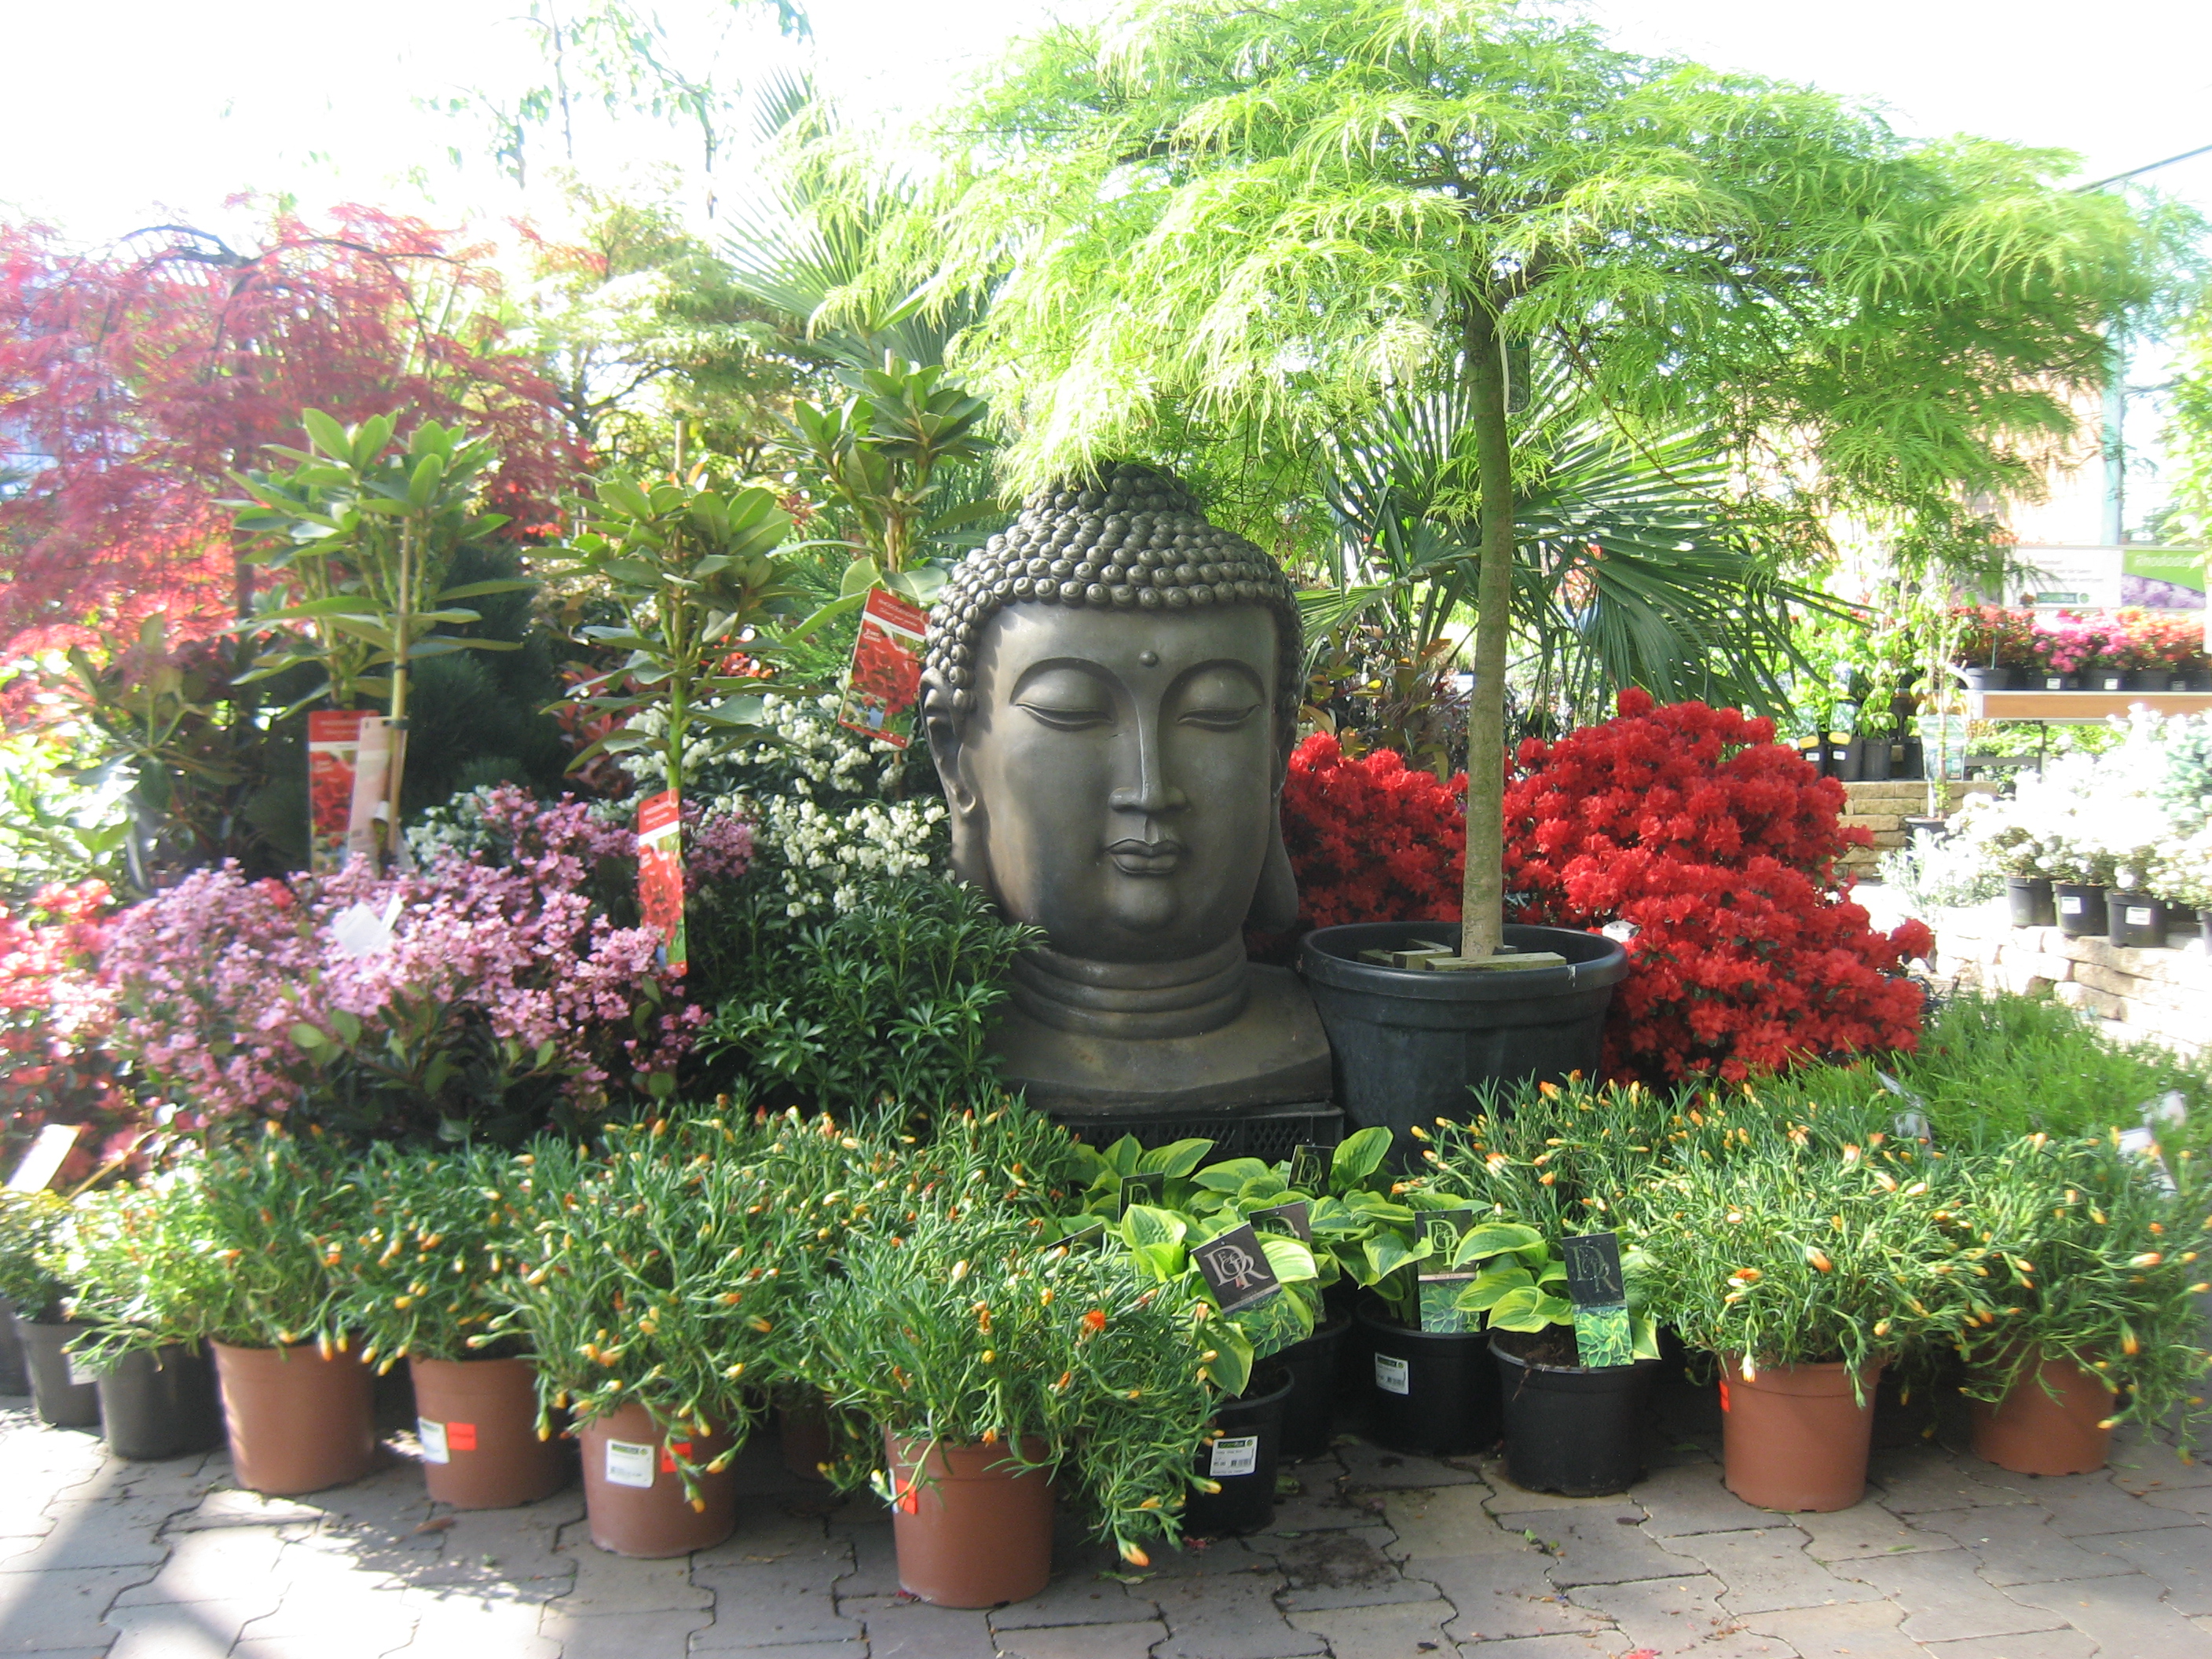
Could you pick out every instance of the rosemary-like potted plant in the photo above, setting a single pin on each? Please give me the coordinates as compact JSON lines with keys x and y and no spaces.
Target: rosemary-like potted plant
{"x":655,"y":1285}
{"x":1803,"y":1265}
{"x":425,"y":1281}
{"x":134,"y":1257}
{"x":2095,"y":1256}
{"x":274,"y":1211}
{"x":985,"y":1359}
{"x":32,"y":1225}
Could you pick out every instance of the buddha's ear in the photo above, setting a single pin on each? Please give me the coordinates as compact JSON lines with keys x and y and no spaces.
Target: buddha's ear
{"x":1275,"y":900}
{"x":940,"y":725}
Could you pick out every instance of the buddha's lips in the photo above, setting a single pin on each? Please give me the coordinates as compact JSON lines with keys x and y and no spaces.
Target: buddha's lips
{"x":1145,"y":858}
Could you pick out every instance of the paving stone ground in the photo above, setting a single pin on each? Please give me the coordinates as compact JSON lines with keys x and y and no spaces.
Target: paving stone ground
{"x":1375,"y":1556}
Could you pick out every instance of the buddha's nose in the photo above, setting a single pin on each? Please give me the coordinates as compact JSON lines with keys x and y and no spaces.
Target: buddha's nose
{"x":1151,"y":794}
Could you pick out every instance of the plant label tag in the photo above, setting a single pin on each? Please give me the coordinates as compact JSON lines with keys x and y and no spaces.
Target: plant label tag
{"x":433,"y":1437}
{"x":1593,"y":1270}
{"x":1236,"y":1267}
{"x":629,"y":1464}
{"x":1295,"y":1217}
{"x":2070,"y":904}
{"x":1150,"y":1187}
{"x":81,"y":1375}
{"x":1912,"y":1126}
{"x":1309,"y":1168}
{"x":661,"y":875}
{"x":1440,"y":1309}
{"x":461,"y":1437}
{"x":884,"y":681}
{"x":44,"y":1161}
{"x":333,"y":743}
{"x":1602,"y":1335}
{"x":2138,"y":915}
{"x":1087,"y":1238}
{"x":1239,"y":1456}
{"x":1443,"y":1229}
{"x":670,"y":1451}
{"x":2142,"y":1144}
{"x":1392,"y":1375}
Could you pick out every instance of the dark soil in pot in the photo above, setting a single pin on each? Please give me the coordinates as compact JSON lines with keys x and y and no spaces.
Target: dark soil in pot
{"x":65,"y":1392}
{"x":1568,"y":1428}
{"x":1239,"y":1454}
{"x":1428,"y":1392}
{"x":160,"y":1404}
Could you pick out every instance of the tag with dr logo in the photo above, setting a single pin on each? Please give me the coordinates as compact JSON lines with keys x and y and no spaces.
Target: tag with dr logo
{"x":1238,"y":1456}
{"x":1392,"y":1375}
{"x":629,"y":1464}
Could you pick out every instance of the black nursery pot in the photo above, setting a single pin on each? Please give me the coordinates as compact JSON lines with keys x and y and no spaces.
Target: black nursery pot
{"x":2134,"y":919}
{"x":162,"y":1404}
{"x":1988,"y":679}
{"x":1406,"y":1044}
{"x":2082,"y":910}
{"x":2108,"y":679}
{"x":1310,"y":1413}
{"x":1432,"y":1393}
{"x":62,"y":1390}
{"x":1572,"y":1430}
{"x":1239,"y":1455}
{"x":14,"y":1377}
{"x":2031,"y":901}
{"x":2043,"y":679}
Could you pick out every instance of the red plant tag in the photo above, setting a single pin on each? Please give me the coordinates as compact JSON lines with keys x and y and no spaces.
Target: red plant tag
{"x":670,"y":1451}
{"x":885,"y":682}
{"x":660,"y":873}
{"x":333,"y":743}
{"x":460,"y":1437}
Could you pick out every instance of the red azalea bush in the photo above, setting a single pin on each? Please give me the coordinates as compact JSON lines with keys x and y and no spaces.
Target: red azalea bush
{"x":1721,"y":848}
{"x":53,"y":1068}
{"x":1370,"y":840}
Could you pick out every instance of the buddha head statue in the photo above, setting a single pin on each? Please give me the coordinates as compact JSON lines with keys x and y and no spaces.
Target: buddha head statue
{"x":1110,"y":695}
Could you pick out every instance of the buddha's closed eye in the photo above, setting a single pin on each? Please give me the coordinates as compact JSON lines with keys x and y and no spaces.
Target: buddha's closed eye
{"x":1066,"y":699}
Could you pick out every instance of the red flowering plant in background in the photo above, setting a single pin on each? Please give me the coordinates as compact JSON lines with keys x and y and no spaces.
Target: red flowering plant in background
{"x":53,"y":1067}
{"x":1370,"y":840}
{"x":1721,"y":847}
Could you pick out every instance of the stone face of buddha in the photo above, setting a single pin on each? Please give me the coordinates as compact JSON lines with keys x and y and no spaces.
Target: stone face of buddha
{"x":1117,"y":772}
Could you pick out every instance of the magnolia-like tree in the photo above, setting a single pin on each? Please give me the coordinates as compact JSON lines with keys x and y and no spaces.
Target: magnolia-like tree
{"x":1266,"y":216}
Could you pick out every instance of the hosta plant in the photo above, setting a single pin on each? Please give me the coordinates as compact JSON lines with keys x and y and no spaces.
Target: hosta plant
{"x":1522,"y":1288}
{"x":2079,"y":1250}
{"x":1160,"y":1243}
{"x":967,"y":1330}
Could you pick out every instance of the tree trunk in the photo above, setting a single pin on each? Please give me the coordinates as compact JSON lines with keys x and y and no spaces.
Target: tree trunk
{"x":1482,"y":898}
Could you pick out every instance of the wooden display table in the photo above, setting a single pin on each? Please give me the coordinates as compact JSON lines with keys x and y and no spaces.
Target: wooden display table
{"x":2080,"y":707}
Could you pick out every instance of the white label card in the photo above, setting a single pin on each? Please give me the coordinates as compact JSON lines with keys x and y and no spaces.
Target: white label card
{"x":433,"y":1437}
{"x":1392,"y":1375}
{"x":2070,"y":904}
{"x":1238,"y":1456}
{"x":629,"y":1464}
{"x":81,"y":1375}
{"x":2138,"y":915}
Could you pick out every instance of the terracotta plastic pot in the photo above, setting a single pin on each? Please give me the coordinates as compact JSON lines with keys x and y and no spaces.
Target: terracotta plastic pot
{"x":299,"y":1422}
{"x":634,"y":1496}
{"x":160,"y":1404}
{"x":477,"y":1421}
{"x":804,"y":1432}
{"x":64,"y":1392}
{"x":1797,"y":1437}
{"x":2029,"y":1432}
{"x":973,"y":1529}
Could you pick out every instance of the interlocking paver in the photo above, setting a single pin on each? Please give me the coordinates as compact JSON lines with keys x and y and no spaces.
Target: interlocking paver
{"x":2123,"y":1616}
{"x":466,"y":1624}
{"x":914,"y":1629}
{"x":1688,"y":1498}
{"x":1917,"y":1481}
{"x":184,"y":1629}
{"x":1501,"y":1597}
{"x":1074,"y":1598}
{"x":615,"y":1584}
{"x":110,"y":1534}
{"x":786,"y":1601}
{"x":633,"y":1635}
{"x":1384,"y":1633}
{"x":1233,"y":1616}
{"x":2180,"y":1558}
{"x":1544,"y":1647}
{"x":1944,"y":1600}
{"x":1373,"y":1469}
{"x":1604,"y":1544}
{"x":2016,"y":1544}
{"x":2083,"y":1504}
{"x":1344,"y":1569}
{"x":2035,"y":1644}
{"x":1445,"y":1522}
{"x":1677,"y":1615}
{"x":1083,"y":1641}
{"x":1848,"y":1630}
{"x":1766,"y":1569}
{"x":59,"y":1609}
{"x":1861,"y":1530}
{"x":216,"y":1566}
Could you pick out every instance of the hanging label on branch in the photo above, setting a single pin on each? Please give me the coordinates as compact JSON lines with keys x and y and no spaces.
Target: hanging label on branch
{"x":660,"y":874}
{"x":333,"y":749}
{"x":885,"y":680}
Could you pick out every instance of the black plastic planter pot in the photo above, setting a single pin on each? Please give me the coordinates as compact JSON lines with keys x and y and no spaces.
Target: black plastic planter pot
{"x":14,"y":1378}
{"x":2134,"y":919}
{"x":1428,"y":1392}
{"x":162,"y":1404}
{"x":2042,"y":679}
{"x":2107,"y":679}
{"x":1874,"y":757}
{"x":1988,"y":679}
{"x":1570,"y":1430}
{"x":1408,"y":1043}
{"x":1239,"y":1455}
{"x":63,"y":1389}
{"x":1310,"y":1413}
{"x":2031,"y":901}
{"x":2082,"y":911}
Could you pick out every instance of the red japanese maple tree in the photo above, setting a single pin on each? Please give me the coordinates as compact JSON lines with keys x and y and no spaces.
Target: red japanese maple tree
{"x":134,"y":378}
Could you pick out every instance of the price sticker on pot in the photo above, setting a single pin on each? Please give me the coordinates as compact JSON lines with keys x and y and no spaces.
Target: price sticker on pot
{"x":2070,"y":904}
{"x":1295,"y":1219}
{"x":670,"y":1451}
{"x":629,"y":1464}
{"x":1236,"y":1268}
{"x":1392,"y":1375}
{"x":1235,"y":1454}
{"x":81,"y":1375}
{"x":433,"y":1437}
{"x":1310,"y":1168}
{"x":461,"y":1437}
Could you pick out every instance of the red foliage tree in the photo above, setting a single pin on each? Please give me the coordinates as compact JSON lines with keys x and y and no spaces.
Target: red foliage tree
{"x":1722,"y":847}
{"x":132,"y":380}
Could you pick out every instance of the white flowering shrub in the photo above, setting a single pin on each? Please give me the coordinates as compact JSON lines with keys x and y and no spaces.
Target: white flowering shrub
{"x":830,"y":817}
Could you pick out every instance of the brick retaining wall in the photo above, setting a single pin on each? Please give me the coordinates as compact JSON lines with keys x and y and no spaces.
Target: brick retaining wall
{"x":2163,"y":995}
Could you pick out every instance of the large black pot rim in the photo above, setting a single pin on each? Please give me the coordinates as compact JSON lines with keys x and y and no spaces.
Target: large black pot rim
{"x":1331,"y":955}
{"x":1578,"y":1379}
